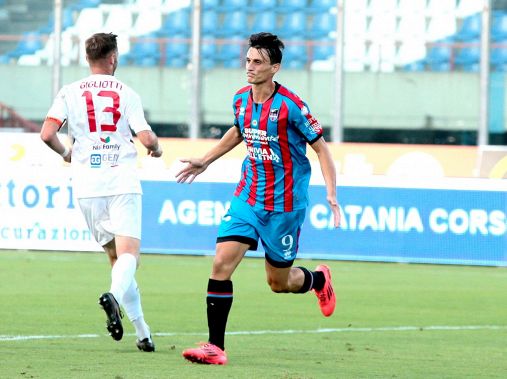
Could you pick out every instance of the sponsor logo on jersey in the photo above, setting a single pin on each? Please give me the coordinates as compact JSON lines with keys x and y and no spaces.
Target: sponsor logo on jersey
{"x":313,"y":124}
{"x":304,"y":110}
{"x":256,"y":135}
{"x":105,"y":140}
{"x":262,"y":154}
{"x":105,"y":146}
{"x":95,"y":160}
{"x":242,"y":111}
{"x":273,"y":115}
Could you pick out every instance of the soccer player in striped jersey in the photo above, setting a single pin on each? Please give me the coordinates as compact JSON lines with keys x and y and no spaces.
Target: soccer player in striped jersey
{"x":100,"y":110}
{"x":271,"y":198}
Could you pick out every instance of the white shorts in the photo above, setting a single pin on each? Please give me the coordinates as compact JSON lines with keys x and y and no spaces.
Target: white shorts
{"x":110,"y":216}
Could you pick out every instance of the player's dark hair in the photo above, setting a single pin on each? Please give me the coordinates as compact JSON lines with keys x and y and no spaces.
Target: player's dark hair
{"x":100,"y":45}
{"x":268,"y":42}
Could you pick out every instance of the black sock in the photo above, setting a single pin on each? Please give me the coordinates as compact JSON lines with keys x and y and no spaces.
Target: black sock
{"x":219,"y":302}
{"x":313,"y":280}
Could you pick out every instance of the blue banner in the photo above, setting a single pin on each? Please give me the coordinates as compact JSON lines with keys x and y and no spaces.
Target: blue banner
{"x":378,"y":223}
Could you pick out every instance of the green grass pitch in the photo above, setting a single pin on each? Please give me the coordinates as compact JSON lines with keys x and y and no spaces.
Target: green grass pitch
{"x":391,"y":321}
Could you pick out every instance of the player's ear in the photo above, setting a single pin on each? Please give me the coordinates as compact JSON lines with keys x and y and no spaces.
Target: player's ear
{"x":275,"y":67}
{"x":113,"y":57}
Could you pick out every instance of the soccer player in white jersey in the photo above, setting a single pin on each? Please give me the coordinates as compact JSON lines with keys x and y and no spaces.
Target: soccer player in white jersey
{"x":100,"y":111}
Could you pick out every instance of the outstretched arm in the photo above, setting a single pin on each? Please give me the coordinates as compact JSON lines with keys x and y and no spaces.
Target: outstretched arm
{"x":49,"y":134}
{"x":329,"y":173}
{"x":195,"y":166}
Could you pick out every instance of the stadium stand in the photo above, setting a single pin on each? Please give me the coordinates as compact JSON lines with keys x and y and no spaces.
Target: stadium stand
{"x":178,"y":22}
{"x":440,"y":55}
{"x":230,"y":53}
{"x":262,"y":6}
{"x":210,"y":5}
{"x":145,"y":51}
{"x":470,"y":28}
{"x":208,"y":53}
{"x":295,"y":55}
{"x":499,"y":56}
{"x":293,"y":25}
{"x":209,"y":22}
{"x":177,"y":51}
{"x":467,"y":57}
{"x":232,"y":5}
{"x":380,"y":35}
{"x":234,"y":23}
{"x":320,"y":6}
{"x":263,"y":21}
{"x":289,"y":6}
{"x":29,"y":44}
{"x":322,"y":25}
{"x":499,"y":26}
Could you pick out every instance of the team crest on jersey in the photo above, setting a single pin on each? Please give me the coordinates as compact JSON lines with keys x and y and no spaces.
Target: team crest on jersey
{"x":273,"y":114}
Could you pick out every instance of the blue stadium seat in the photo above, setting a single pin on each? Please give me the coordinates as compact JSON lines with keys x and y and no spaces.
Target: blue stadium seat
{"x":210,"y":5}
{"x":179,"y":47}
{"x":294,"y":64}
{"x":145,"y":51}
{"x":323,"y":25}
{"x":289,"y":6}
{"x":440,"y":66}
{"x":321,"y":6}
{"x":67,"y":20}
{"x":209,"y":22}
{"x":499,"y":26}
{"x":29,"y":44}
{"x":208,"y":63}
{"x":293,"y":25}
{"x":177,"y":22}
{"x":262,"y":6}
{"x":471,"y":67}
{"x":232,"y":5}
{"x":4,"y":59}
{"x":82,"y":4}
{"x":439,"y":57}
{"x":470,"y":28}
{"x":176,"y":62}
{"x":323,"y":49}
{"x":233,"y":24}
{"x":146,"y":61}
{"x":295,"y":54}
{"x":231,"y":53}
{"x":415,"y":66}
{"x":498,"y":57}
{"x":209,"y":53}
{"x":264,"y":22}
{"x":468,"y":57}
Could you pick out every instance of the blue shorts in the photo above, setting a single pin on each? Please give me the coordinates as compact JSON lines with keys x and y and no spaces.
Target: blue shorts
{"x":278,"y":231}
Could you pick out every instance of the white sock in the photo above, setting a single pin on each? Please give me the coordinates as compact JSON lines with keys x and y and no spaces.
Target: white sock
{"x":122,"y":275}
{"x":134,"y":310}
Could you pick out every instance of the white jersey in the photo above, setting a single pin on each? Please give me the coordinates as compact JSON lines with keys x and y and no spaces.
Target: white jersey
{"x":100,"y":110}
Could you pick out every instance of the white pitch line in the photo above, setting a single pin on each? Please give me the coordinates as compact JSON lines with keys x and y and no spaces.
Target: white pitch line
{"x":289,"y":331}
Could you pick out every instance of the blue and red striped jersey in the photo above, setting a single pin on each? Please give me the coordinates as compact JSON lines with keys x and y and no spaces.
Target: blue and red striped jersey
{"x":275,"y":172}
